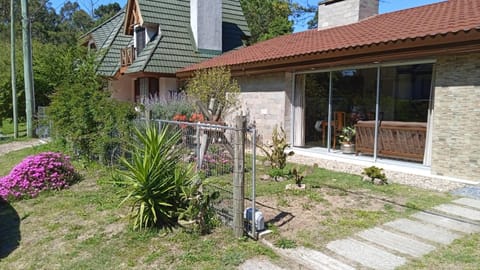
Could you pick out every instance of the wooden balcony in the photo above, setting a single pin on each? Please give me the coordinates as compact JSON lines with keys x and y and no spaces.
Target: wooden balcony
{"x":127,"y":56}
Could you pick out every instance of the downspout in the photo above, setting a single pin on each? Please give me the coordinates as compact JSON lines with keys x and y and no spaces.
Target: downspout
{"x":292,"y":112}
{"x":329,"y":129}
{"x":377,"y":112}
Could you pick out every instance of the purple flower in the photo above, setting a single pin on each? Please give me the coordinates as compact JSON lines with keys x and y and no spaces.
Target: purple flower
{"x":45,"y":171}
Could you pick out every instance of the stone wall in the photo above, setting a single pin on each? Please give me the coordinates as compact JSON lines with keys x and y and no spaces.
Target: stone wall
{"x":345,"y":12}
{"x":263,"y":98}
{"x":456,"y":128}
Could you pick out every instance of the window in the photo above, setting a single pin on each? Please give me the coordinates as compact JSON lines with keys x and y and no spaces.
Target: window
{"x":140,"y":40}
{"x":146,"y":88}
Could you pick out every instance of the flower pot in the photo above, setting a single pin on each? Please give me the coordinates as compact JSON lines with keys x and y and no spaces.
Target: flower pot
{"x":348,"y":148}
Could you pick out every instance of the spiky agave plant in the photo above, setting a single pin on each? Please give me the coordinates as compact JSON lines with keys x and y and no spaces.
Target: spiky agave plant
{"x":153,"y":177}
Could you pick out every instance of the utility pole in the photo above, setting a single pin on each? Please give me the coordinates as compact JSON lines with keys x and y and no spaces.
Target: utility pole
{"x":27,"y":67}
{"x":12,"y":64}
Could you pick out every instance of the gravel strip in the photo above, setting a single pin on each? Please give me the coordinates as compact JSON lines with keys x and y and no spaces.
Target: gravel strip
{"x":419,"y":181}
{"x":17,"y":145}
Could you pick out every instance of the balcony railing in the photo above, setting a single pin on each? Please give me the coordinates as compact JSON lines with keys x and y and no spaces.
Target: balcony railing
{"x":127,"y":56}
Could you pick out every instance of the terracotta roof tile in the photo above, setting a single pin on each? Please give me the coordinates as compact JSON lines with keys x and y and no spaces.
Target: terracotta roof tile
{"x":431,"y":20}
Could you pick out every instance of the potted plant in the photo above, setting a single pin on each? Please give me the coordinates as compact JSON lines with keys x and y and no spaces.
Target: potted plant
{"x":347,"y":138}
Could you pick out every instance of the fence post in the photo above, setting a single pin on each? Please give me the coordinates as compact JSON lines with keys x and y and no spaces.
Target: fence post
{"x":238,"y":175}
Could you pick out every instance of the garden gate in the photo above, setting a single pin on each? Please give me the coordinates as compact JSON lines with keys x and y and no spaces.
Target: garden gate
{"x":226,"y":156}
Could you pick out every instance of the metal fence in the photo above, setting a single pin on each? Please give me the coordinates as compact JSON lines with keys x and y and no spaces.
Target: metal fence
{"x":212,"y":148}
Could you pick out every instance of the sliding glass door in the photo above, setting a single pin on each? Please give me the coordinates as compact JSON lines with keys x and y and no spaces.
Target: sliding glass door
{"x":336,"y":99}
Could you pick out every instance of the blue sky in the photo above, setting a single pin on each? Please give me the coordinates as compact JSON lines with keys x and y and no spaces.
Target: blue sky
{"x":385,"y":5}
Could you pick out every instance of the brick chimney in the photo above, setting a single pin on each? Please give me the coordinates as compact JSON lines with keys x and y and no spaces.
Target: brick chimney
{"x":333,"y":13}
{"x":206,"y":23}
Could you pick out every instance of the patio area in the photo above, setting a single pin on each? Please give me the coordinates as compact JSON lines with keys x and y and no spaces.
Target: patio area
{"x":397,"y":171}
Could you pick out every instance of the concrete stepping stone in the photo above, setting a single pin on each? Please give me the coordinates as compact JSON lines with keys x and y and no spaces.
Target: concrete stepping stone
{"x":365,"y":254}
{"x":424,"y":231}
{"x":314,"y":259}
{"x":468,"y":202}
{"x":259,"y":264}
{"x":459,"y":211}
{"x":446,"y":222}
{"x":396,"y":242}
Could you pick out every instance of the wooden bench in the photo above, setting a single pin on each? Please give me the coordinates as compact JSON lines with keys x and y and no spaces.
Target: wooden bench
{"x":402,"y":140}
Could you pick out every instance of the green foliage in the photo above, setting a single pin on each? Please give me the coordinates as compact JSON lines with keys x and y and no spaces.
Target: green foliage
{"x":375,"y":173}
{"x":154,"y":178}
{"x":275,"y":152}
{"x":297,"y":176}
{"x":285,"y":243}
{"x":83,"y":115}
{"x":276,"y":173}
{"x":347,"y":135}
{"x":166,"y":109}
{"x":267,"y":18}
{"x":215,"y":83}
{"x":199,"y":209}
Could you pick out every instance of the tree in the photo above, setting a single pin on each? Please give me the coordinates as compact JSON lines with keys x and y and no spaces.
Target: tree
{"x":104,"y":12}
{"x":270,"y":18}
{"x":267,"y":18}
{"x":216,"y":88}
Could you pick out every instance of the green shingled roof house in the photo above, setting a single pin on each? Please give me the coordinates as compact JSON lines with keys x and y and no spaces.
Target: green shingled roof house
{"x":142,"y":47}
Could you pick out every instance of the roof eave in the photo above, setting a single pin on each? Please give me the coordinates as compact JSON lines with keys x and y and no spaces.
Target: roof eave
{"x":422,"y":46}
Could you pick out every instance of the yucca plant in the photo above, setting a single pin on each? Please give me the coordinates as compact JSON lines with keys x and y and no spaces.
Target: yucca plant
{"x":153,"y":177}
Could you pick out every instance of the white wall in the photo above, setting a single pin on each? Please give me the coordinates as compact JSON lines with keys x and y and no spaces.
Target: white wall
{"x":206,"y":23}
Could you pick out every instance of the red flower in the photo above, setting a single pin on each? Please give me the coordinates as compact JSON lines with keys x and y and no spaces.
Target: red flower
{"x":197,"y":117}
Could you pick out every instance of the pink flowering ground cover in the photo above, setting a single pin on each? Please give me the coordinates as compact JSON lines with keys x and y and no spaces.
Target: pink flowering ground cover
{"x":44,"y":171}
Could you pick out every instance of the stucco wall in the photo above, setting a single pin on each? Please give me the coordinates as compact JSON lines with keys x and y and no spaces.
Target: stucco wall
{"x":263,"y":98}
{"x":122,"y":89}
{"x":166,"y":85}
{"x":456,"y":143}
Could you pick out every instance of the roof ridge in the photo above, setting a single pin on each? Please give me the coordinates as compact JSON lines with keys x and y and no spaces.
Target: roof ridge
{"x":116,"y":30}
{"x":103,"y":23}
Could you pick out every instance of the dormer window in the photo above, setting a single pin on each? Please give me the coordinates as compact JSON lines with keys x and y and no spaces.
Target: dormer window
{"x":140,"y":39}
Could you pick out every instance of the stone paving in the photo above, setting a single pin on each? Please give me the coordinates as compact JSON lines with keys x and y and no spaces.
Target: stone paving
{"x":392,"y":244}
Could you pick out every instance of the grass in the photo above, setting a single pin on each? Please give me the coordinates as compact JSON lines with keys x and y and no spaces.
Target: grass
{"x":83,"y":227}
{"x":463,"y":253}
{"x":6,"y":129}
{"x":321,"y":212}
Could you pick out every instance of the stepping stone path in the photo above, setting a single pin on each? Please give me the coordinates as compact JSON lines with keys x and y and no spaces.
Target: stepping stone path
{"x":392,"y":244}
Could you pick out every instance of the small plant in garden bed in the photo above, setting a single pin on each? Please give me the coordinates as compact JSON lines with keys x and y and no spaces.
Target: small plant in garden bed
{"x":44,"y":171}
{"x":275,"y":151}
{"x":298,"y":176}
{"x":374,"y":173}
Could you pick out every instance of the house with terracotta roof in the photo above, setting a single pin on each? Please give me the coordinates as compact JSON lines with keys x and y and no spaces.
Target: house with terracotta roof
{"x":408,"y":83}
{"x":141,"y":47}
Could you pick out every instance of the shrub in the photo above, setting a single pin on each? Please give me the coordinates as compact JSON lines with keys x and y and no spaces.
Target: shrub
{"x":44,"y":171}
{"x":85,"y":119}
{"x":275,"y":151}
{"x":200,"y":209}
{"x":154,"y":178}
{"x":167,"y":109}
{"x":373,"y":173}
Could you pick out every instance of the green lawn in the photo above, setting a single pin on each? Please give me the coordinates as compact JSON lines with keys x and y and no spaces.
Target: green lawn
{"x":6,"y":129}
{"x":83,"y":227}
